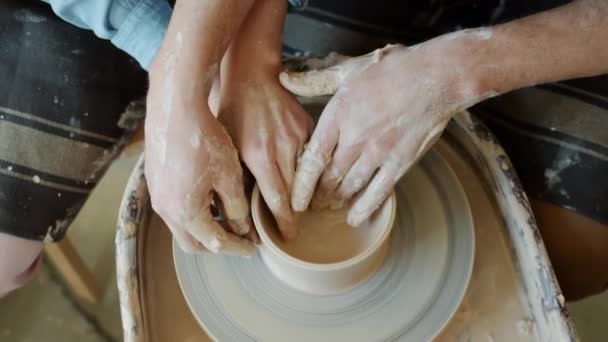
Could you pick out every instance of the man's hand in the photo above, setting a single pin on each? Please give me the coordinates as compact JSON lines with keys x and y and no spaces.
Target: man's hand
{"x":393,"y":104}
{"x":390,"y":107}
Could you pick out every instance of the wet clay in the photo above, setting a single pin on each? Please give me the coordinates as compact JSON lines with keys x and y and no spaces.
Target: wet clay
{"x":325,"y":237}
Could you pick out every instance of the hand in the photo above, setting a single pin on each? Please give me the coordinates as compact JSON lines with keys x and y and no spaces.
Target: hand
{"x":269,"y":128}
{"x":391,"y":106}
{"x":191,"y":164}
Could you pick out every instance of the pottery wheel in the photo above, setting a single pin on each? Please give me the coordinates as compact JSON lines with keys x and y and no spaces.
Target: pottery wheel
{"x":410,"y":298}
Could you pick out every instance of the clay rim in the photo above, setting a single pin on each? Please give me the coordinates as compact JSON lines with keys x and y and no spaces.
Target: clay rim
{"x":374,"y":246}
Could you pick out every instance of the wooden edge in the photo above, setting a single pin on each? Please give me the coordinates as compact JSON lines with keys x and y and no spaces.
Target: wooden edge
{"x":133,"y":208}
{"x":78,"y":277}
{"x":547,"y":305}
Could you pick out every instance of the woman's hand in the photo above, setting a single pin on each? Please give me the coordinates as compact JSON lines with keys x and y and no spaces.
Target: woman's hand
{"x":191,"y":164}
{"x":265,"y":121}
{"x":390,"y":107}
{"x":269,"y":128}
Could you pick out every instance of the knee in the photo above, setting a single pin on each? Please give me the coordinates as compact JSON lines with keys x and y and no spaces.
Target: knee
{"x":19,"y":259}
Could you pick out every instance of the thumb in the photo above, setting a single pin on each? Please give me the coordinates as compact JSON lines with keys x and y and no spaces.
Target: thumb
{"x":333,"y":73}
{"x":312,"y":83}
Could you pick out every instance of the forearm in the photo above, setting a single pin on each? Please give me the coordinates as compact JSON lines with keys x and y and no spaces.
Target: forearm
{"x":564,"y":43}
{"x":257,"y":46}
{"x":197,"y":37}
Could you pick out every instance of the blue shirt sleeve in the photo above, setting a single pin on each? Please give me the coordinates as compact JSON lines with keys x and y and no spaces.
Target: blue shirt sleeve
{"x":135,"y":26}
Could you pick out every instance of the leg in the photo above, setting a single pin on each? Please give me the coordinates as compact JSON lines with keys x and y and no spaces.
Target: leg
{"x":64,"y":116}
{"x":19,"y":259}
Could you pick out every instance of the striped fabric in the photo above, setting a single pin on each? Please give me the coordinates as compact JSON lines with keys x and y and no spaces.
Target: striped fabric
{"x":557,"y":138}
{"x":354,"y":27}
{"x":62,"y":95}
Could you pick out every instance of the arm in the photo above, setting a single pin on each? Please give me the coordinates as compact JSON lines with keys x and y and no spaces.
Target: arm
{"x":563,"y":43}
{"x":413,"y":93}
{"x":253,"y":101}
{"x":134,"y":26}
{"x":197,"y":39}
{"x":190,"y":159}
{"x":259,"y":40}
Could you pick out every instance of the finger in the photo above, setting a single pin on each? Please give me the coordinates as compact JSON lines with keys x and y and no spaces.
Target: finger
{"x":276,"y":196}
{"x":252,"y":235}
{"x":327,"y":81}
{"x":301,"y":123}
{"x":286,"y":161}
{"x":332,"y":59}
{"x":396,"y":165}
{"x":305,"y":64}
{"x":312,"y":83}
{"x":356,"y":177}
{"x":211,"y":234}
{"x":184,"y":240}
{"x":314,"y":159}
{"x":187,"y":242}
{"x":229,"y":187}
{"x":376,"y":192}
{"x":341,"y":162}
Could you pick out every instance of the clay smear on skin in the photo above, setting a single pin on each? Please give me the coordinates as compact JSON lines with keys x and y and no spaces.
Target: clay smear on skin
{"x":479,"y":33}
{"x":327,"y":81}
{"x":196,"y":218}
{"x":192,"y":217}
{"x":307,"y":174}
{"x":309,"y":168}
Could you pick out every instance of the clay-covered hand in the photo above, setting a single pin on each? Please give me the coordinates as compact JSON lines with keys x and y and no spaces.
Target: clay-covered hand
{"x":390,"y":107}
{"x":192,"y":165}
{"x":269,"y":128}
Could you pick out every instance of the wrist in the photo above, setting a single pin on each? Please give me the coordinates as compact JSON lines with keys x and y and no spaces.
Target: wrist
{"x":490,"y":61}
{"x":256,"y":62}
{"x":186,"y":81}
{"x":473,"y":63}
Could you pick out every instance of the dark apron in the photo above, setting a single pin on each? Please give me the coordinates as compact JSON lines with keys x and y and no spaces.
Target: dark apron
{"x":62,"y":94}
